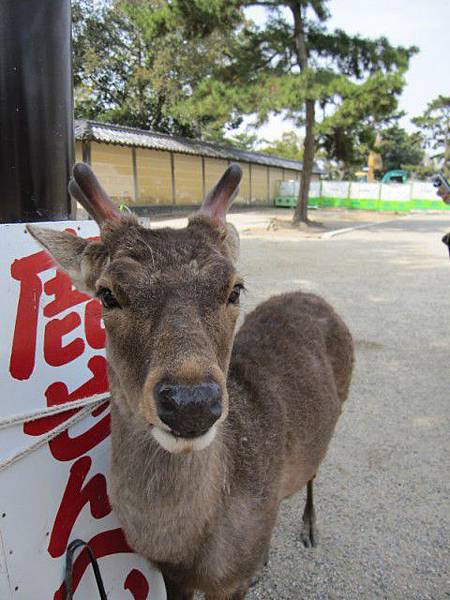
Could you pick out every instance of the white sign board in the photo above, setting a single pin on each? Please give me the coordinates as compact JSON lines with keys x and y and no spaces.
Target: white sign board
{"x":335,"y":189}
{"x":289,"y":188}
{"x":54,"y":465}
{"x":364,"y":191}
{"x":395,"y":191}
{"x":314,"y":189}
{"x":422,"y":190}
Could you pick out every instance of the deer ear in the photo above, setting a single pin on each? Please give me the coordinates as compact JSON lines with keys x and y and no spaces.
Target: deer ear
{"x":219,"y":199}
{"x":231,"y":242}
{"x":81,"y":259}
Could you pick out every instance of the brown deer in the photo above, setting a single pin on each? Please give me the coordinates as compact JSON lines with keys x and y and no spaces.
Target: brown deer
{"x":208,"y":436}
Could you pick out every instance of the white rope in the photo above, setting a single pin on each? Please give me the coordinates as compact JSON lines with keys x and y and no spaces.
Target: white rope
{"x":86,"y":406}
{"x":48,"y":411}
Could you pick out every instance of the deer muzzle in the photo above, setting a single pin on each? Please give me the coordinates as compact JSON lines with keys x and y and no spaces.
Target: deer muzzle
{"x":188,"y":410}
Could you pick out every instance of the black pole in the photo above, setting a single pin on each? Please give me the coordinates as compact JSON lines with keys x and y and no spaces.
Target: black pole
{"x":36,"y":110}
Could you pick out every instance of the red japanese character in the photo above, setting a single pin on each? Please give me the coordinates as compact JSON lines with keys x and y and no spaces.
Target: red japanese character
{"x":23,"y":354}
{"x":75,"y":498}
{"x":23,"y":351}
{"x":55,"y":353}
{"x":103,"y":544}
{"x":65,"y":447}
{"x":57,"y":393}
{"x":137,"y":584}
{"x":60,"y":286}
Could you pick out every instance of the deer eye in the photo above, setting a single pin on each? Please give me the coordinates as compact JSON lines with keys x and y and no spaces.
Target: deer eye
{"x":107,"y":298}
{"x":233,"y":298}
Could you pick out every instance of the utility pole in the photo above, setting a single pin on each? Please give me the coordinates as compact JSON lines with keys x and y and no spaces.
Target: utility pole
{"x":36,"y":110}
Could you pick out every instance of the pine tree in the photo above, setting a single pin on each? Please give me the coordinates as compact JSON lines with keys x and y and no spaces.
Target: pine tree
{"x":435,"y":126}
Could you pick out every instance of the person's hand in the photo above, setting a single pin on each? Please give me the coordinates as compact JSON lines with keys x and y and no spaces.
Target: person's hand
{"x":444,"y":195}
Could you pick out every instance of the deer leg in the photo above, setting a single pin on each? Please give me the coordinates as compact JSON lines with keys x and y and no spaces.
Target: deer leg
{"x":175,"y":591}
{"x":239,"y":594}
{"x":309,"y":531}
{"x":263,"y":563}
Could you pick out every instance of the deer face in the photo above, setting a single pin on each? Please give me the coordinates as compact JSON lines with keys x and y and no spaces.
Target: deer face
{"x":170,"y":303}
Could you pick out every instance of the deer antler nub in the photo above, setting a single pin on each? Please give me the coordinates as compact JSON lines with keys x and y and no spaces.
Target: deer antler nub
{"x":86,"y":189}
{"x":218,"y":200}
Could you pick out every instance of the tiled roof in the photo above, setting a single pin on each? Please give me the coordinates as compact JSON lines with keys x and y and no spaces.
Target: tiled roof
{"x":129,"y":136}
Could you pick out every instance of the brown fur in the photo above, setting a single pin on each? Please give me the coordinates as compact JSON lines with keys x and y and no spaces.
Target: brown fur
{"x":206,"y":517}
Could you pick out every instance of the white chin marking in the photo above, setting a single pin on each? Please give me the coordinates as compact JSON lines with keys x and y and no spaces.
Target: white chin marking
{"x":176,"y":445}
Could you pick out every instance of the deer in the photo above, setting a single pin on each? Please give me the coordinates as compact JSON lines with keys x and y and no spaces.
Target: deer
{"x":210,"y":430}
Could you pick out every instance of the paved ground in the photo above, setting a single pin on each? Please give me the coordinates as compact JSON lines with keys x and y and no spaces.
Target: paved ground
{"x":254,"y":221}
{"x":382,"y":494}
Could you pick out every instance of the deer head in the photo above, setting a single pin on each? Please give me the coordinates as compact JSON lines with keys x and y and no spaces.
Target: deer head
{"x":170,"y":303}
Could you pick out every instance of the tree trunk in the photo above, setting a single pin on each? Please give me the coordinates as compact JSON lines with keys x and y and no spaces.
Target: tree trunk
{"x":447,"y":148}
{"x":301,"y":210}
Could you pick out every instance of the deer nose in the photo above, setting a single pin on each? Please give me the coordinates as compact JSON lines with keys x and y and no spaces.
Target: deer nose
{"x":189,"y":410}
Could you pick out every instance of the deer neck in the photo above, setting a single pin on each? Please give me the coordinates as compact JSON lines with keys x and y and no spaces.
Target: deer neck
{"x":163,"y":489}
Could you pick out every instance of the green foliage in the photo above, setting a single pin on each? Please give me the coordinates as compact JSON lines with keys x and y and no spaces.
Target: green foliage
{"x":400,"y":149}
{"x":195,"y":67}
{"x":348,"y":148}
{"x":207,"y":16}
{"x":242,"y":141}
{"x":348,"y":134}
{"x":266,"y":57}
{"x":425,"y":170}
{"x":290,"y":145}
{"x":292,"y":59}
{"x":435,"y":126}
{"x":138,"y":62}
{"x":354,"y":56}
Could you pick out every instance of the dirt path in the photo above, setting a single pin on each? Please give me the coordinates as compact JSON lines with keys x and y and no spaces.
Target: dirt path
{"x":382,"y":494}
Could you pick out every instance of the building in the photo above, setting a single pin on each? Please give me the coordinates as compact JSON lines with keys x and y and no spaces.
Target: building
{"x":142,"y":168}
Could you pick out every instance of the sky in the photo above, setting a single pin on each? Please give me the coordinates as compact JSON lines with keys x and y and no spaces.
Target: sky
{"x":422,"y":23}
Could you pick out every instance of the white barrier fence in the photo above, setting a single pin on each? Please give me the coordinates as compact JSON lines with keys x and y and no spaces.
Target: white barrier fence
{"x":368,"y":191}
{"x":335,"y":189}
{"x":414,"y":190}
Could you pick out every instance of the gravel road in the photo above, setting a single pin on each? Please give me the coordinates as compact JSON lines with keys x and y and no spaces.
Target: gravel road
{"x":382,"y":494}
